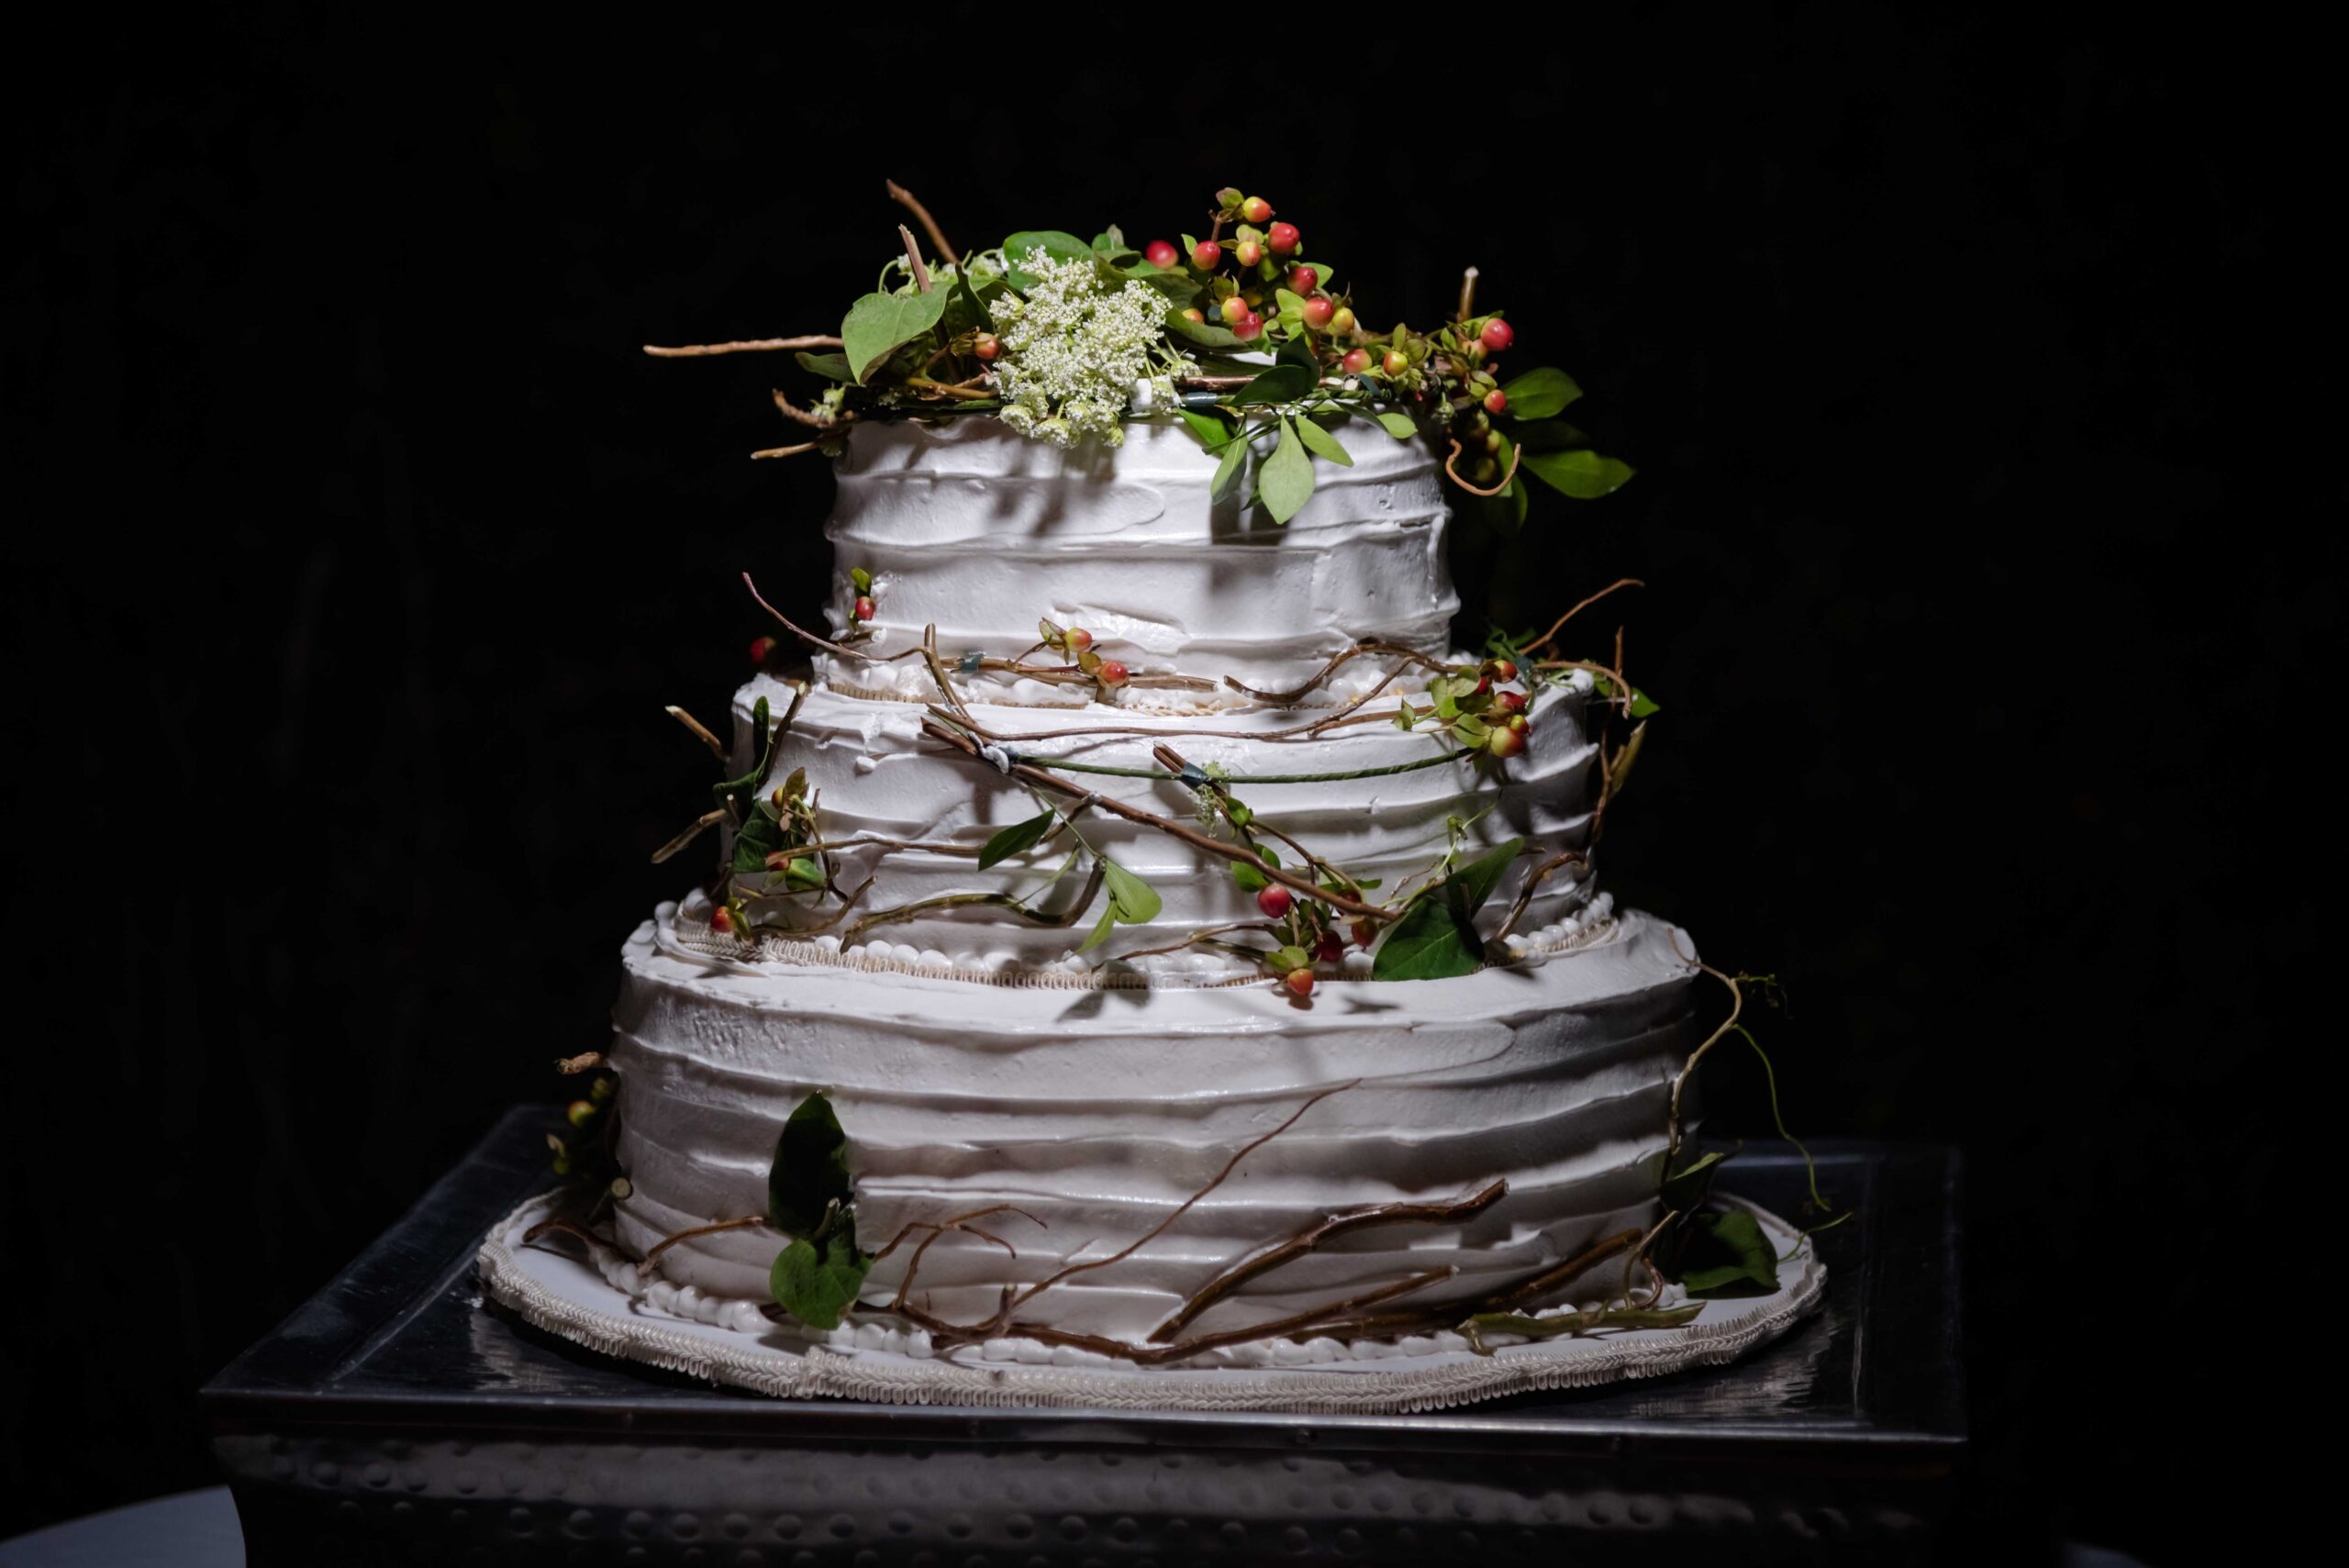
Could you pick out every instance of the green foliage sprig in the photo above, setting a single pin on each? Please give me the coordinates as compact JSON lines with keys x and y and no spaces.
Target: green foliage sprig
{"x":817,"y":1275}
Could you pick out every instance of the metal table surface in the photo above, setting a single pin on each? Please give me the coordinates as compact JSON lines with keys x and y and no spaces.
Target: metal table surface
{"x":393,"y":1418}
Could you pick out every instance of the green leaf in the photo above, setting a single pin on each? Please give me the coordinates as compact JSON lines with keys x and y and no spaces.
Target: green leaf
{"x":1687,"y":1188}
{"x":1133,"y":901}
{"x":1583,"y":474}
{"x":1728,"y":1255}
{"x":760,"y":836}
{"x":1206,"y":334}
{"x":971,"y":301}
{"x":1249,"y":879}
{"x":1279,"y":383}
{"x":1059,"y":245}
{"x":1282,"y":960}
{"x":816,"y":1286}
{"x":1643,"y":704}
{"x":1298,"y":352}
{"x":859,"y":579}
{"x":880,"y":324}
{"x":1323,"y":443}
{"x":1436,"y":938}
{"x":1286,"y":484}
{"x":1402,"y":426}
{"x":1234,"y":455}
{"x":831,"y":367}
{"x":1548,"y":435}
{"x":810,"y":1171}
{"x":1101,"y":929}
{"x":740,"y":793}
{"x":1212,"y":432}
{"x":1538,"y":394}
{"x":1015,"y":838}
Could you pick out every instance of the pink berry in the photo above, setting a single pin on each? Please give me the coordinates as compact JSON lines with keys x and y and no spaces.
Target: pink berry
{"x":985,"y":346}
{"x":1233,"y":308}
{"x":1207,"y":255}
{"x":1342,"y":322}
{"x":1248,"y":252}
{"x":1365,"y":932}
{"x":1275,"y":902}
{"x":1283,"y":239}
{"x":1249,"y":328}
{"x":1396,"y":362}
{"x":1303,"y":280}
{"x":1506,"y":743}
{"x":1317,"y":313}
{"x":1111,"y":673}
{"x":1509,"y":702}
{"x":1078,"y":639}
{"x":721,"y":921}
{"x":1256,"y":209}
{"x":1299,"y":981}
{"x":1161,"y":253}
{"x":1331,"y":947}
{"x":863,"y":610}
{"x":1356,"y":361}
{"x":761,"y":647}
{"x":1501,"y":669}
{"x":1497,"y":401}
{"x":1498,"y":335}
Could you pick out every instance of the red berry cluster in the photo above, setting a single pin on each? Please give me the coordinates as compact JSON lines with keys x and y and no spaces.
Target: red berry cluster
{"x":1264,"y":264}
{"x":861,"y":609}
{"x":1306,"y":931}
{"x":1076,"y":644}
{"x":1474,"y":704}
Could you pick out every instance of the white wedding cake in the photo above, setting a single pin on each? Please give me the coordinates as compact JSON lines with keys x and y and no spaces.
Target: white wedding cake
{"x":1139,"y":933}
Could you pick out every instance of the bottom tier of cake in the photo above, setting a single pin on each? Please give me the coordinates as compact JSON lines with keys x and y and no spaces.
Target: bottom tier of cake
{"x":1092,"y":1116}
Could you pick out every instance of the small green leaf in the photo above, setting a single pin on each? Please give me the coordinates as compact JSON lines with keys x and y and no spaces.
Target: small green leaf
{"x":809,"y":1175}
{"x":1687,"y":1188}
{"x":1643,"y":704}
{"x":1323,"y":443}
{"x":738,"y":794}
{"x":831,"y":367}
{"x":1286,"y":484}
{"x":816,"y":1286}
{"x":1549,"y":436}
{"x":1402,"y":426}
{"x":1019,"y":837}
{"x":1283,"y":959}
{"x":1538,"y":394}
{"x":1204,"y":333}
{"x":880,"y":324}
{"x":1108,"y":923}
{"x":971,"y":301}
{"x":1234,"y":455}
{"x":760,"y":836}
{"x":1249,"y":879}
{"x":1133,"y":901}
{"x":1053,"y":242}
{"x":1582,"y":474}
{"x":1436,"y":936}
{"x":1281,"y":382}
{"x":1212,"y":432}
{"x":859,"y":579}
{"x":802,"y":875}
{"x":1727,"y":1254}
{"x":1297,"y":351}
{"x":1468,"y":887}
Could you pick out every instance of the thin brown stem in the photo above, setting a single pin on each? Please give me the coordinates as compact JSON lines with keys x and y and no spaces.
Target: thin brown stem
{"x":787,"y":451}
{"x":1549,"y":638}
{"x":905,"y":198}
{"x":800,"y":632}
{"x":1305,"y":1241}
{"x":701,"y":730}
{"x":1515,"y":453}
{"x":560,"y":1226}
{"x":791,"y":410}
{"x":1467,"y":293}
{"x":1676,"y":1131}
{"x":913,"y":259}
{"x":717,"y":1226}
{"x":745,"y":346}
{"x":1532,"y":884}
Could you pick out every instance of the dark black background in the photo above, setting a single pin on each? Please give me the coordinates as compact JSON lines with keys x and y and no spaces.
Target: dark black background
{"x":1962,"y":363}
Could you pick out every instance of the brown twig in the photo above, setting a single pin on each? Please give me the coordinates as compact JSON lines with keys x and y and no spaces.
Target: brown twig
{"x":1549,"y":638}
{"x":913,"y":258}
{"x":1467,"y":293}
{"x":1677,"y":1132}
{"x":791,"y":410}
{"x":585,"y":1061}
{"x":563,"y":1227}
{"x":1515,"y":453}
{"x":716,"y":746}
{"x":741,"y":1222}
{"x":1029,"y":773}
{"x":1305,"y":1241}
{"x":1525,"y":895}
{"x":1285,"y":699}
{"x":787,"y":451}
{"x":746,"y":346}
{"x":905,"y":198}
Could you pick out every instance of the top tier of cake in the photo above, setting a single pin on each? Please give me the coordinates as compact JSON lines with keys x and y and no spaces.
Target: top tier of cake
{"x":980,"y":532}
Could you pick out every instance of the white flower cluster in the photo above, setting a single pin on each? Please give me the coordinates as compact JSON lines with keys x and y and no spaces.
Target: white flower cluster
{"x":1075,"y":354}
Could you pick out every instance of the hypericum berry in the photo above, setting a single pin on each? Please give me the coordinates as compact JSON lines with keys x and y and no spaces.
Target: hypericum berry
{"x":1509,"y":702}
{"x":580,"y":1112}
{"x":1343,"y":321}
{"x":1275,"y":902}
{"x":1207,"y":255}
{"x":1501,"y":669}
{"x":985,"y":346}
{"x":1317,"y":313}
{"x":1111,"y":673}
{"x":1161,"y":253}
{"x":1356,"y":361}
{"x":1299,"y":981}
{"x":1364,"y":933}
{"x":1249,"y":328}
{"x":1497,"y":401}
{"x":1303,"y":280}
{"x":761,"y":647}
{"x":721,"y":921}
{"x":1256,"y":209}
{"x":1519,"y":724}
{"x":1483,"y":683}
{"x":1506,"y":743}
{"x":1078,"y":639}
{"x":1331,"y":947}
{"x":1283,"y":239}
{"x":1396,"y":362}
{"x":1498,"y":335}
{"x":863,"y":610}
{"x":1248,"y":252}
{"x":1232,"y":308}
{"x":1194,"y":314}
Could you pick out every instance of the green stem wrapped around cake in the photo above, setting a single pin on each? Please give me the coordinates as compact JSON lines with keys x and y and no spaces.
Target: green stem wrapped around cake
{"x":1139,"y":931}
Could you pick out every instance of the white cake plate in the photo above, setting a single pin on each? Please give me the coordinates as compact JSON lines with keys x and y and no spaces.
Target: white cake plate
{"x":596,"y":1302}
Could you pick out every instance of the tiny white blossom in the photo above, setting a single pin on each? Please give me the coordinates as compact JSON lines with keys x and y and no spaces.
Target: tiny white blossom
{"x":1075,"y":354}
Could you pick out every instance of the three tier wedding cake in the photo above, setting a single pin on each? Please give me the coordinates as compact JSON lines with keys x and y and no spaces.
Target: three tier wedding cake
{"x":1141,"y":935}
